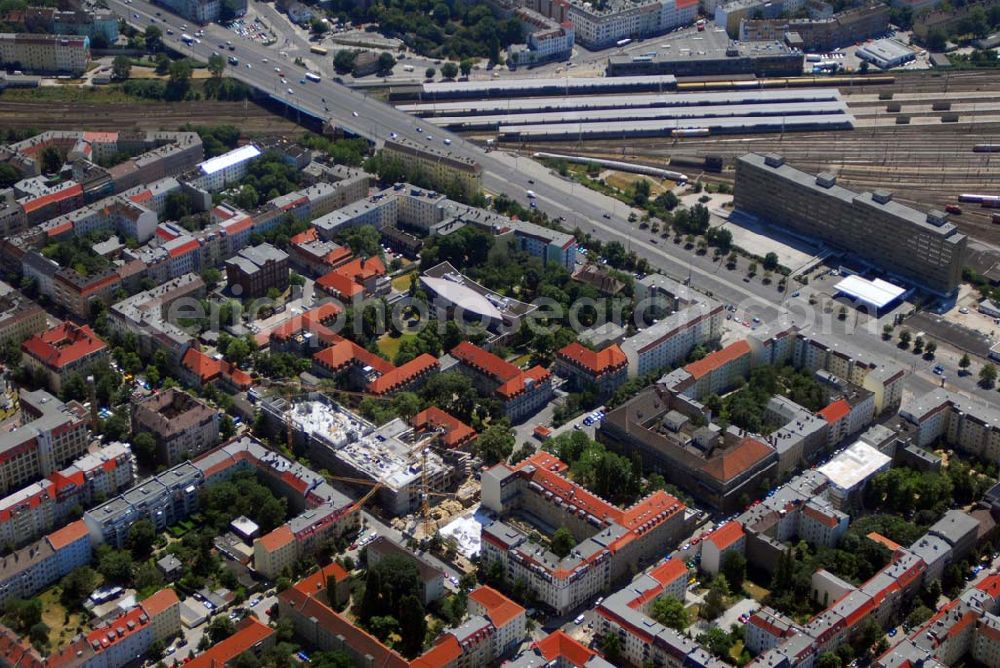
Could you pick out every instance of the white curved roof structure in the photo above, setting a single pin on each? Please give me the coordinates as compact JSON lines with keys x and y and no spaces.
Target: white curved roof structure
{"x":463,"y":297}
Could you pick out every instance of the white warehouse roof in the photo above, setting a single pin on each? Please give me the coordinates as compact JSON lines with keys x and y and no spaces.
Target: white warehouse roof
{"x":237,"y":155}
{"x":876,"y":293}
{"x":854,"y":465}
{"x":463,"y":296}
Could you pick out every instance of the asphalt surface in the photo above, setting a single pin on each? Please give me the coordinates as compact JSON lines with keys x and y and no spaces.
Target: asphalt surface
{"x":578,"y":207}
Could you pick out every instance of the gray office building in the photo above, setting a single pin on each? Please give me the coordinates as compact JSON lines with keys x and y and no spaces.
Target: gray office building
{"x":924,"y":249}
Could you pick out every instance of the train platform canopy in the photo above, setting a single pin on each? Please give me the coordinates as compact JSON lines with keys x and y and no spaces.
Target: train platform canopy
{"x":876,"y":293}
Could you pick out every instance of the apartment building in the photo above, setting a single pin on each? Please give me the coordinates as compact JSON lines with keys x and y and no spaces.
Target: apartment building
{"x":603,"y":370}
{"x":509,"y":618}
{"x":45,"y":54}
{"x":523,"y":393}
{"x":968,"y":425}
{"x":224,"y":170}
{"x":601,"y":26}
{"x":923,"y":249}
{"x":27,"y":571}
{"x":254,"y":271}
{"x":182,"y":425}
{"x":547,"y":40}
{"x":64,"y":350}
{"x":730,"y":14}
{"x":821,"y":34}
{"x":442,"y":166}
{"x":643,"y":640}
{"x":431,"y":577}
{"x":49,"y":436}
{"x":611,"y":540}
{"x":697,"y":320}
{"x":151,"y":315}
{"x":40,"y":508}
{"x":20,"y":318}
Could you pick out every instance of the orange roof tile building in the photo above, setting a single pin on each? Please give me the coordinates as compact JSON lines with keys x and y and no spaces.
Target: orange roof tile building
{"x":454,"y":433}
{"x":522,"y":393}
{"x":64,"y":350}
{"x":604,"y":369}
{"x":611,"y":540}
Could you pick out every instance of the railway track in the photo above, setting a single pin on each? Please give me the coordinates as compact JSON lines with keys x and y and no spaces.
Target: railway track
{"x":250,"y":117}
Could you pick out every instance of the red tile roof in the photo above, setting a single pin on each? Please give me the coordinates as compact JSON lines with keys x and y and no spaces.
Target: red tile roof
{"x":159,"y":602}
{"x":209,"y":369}
{"x":183,"y":248}
{"x":821,"y":517}
{"x":836,"y":411}
{"x":142,"y":196}
{"x":304,"y":237}
{"x":333,"y":624}
{"x":500,"y":609}
{"x":445,"y":651}
{"x":456,"y":432}
{"x":718,"y":359}
{"x":118,"y":629}
{"x":594,"y":362}
{"x":669,"y":572}
{"x":400,"y":376}
{"x":346,"y":280}
{"x":276,"y":539}
{"x":342,"y":353}
{"x":69,"y":534}
{"x":879,"y":538}
{"x":75,"y":190}
{"x":63,"y":345}
{"x":725,"y":536}
{"x":524,"y":381}
{"x":316,"y":582}
{"x":734,"y":461}
{"x":559,"y":645}
{"x":485,"y":362}
{"x":990,"y":585}
{"x":249,"y":632}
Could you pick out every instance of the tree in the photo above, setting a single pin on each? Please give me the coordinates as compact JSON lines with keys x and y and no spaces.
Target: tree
{"x":154,"y":39}
{"x":385,"y":64}
{"x":412,"y":625}
{"x":429,"y":73}
{"x":9,"y":175}
{"x":496,"y":443}
{"x":887,"y":332}
{"x":936,"y":39}
{"x":121,"y":68}
{"x":76,"y":587}
{"x":828,"y":660}
{"x":965,"y":362}
{"x":771,"y":261}
{"x":141,"y":538}
{"x":449,"y":70}
{"x":904,"y":338}
{"x":115,"y":565}
{"x":144,"y":445}
{"x":216,"y":65}
{"x":562,"y":542}
{"x":930,"y":349}
{"x":343,"y":61}
{"x":221,"y":628}
{"x":671,"y":612}
{"x":611,"y":646}
{"x":363,"y":240}
{"x":180,"y":79}
{"x":52,"y":160}
{"x":715,"y":600}
{"x":988,"y":375}
{"x":465,"y":66}
{"x":734,"y":567}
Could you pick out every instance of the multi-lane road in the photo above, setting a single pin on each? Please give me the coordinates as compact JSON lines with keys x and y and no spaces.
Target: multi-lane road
{"x":602,"y":216}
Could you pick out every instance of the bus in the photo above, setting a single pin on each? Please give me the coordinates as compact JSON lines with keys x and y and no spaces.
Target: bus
{"x":624,"y":42}
{"x":186,"y":38}
{"x":318,"y":50}
{"x":312,"y":76}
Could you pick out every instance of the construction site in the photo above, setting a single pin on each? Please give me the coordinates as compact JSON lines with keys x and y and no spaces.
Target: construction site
{"x":415,"y":482}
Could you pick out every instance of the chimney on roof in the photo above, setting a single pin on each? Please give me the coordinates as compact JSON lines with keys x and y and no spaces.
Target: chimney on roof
{"x":882,"y":196}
